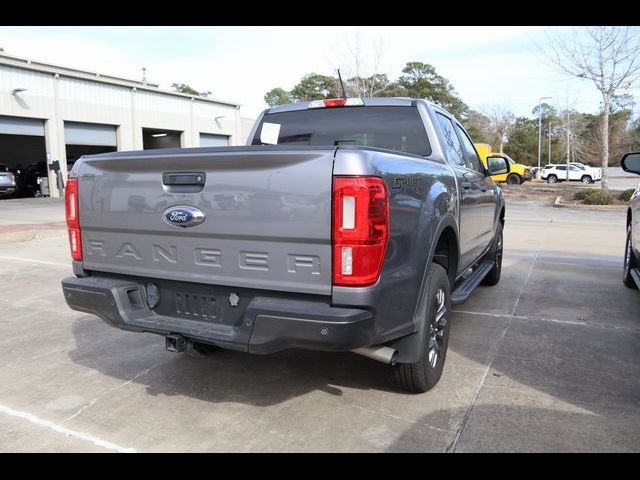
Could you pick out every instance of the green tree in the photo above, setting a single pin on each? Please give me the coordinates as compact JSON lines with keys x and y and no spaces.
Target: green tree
{"x":184,"y":88}
{"x":420,"y":80}
{"x":377,"y":85}
{"x":278,"y":96}
{"x":523,"y":141}
{"x":314,"y":86}
{"x":477,"y":125}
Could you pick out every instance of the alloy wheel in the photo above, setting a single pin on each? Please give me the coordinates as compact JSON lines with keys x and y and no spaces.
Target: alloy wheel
{"x":436,"y":328}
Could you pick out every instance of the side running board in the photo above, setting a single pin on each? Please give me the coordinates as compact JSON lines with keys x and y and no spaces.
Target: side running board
{"x":466,"y":288}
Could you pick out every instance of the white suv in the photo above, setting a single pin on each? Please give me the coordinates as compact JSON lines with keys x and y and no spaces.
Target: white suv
{"x":577,"y":172}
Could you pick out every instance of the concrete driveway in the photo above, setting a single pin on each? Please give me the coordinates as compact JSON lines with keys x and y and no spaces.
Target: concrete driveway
{"x":548,"y":360}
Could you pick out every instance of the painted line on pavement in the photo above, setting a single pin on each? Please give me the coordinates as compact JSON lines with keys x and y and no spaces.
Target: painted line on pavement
{"x":65,"y":431}
{"x":491,"y":314}
{"x":44,"y":262}
{"x":550,"y":320}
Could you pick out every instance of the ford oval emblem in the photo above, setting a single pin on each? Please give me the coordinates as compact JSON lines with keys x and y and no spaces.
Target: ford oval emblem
{"x":183,"y":216}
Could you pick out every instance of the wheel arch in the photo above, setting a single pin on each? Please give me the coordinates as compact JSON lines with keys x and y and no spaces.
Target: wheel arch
{"x":410,"y":347}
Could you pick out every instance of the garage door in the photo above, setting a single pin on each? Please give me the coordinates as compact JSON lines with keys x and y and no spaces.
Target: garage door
{"x":76,"y":133}
{"x":21,"y":126}
{"x":23,"y":151}
{"x":211,"y":140}
{"x":88,"y":139}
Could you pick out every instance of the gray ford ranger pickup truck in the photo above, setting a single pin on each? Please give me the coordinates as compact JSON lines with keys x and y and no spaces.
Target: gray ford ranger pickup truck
{"x":344,"y":225}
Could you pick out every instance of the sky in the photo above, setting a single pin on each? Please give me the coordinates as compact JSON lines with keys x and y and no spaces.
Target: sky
{"x":488,"y":66}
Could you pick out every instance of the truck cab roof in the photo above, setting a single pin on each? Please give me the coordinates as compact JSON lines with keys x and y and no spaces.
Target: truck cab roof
{"x":368,"y":102}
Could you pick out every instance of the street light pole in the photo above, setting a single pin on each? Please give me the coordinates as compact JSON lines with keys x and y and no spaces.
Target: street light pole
{"x":540,"y":127}
{"x":549,"y":129}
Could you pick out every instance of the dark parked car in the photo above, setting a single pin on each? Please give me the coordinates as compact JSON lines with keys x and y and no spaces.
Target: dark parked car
{"x":631,"y":273}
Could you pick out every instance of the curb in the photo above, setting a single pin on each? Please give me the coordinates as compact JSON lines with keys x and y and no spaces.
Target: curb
{"x":607,"y":208}
{"x":25,"y":233}
{"x":28,"y":235}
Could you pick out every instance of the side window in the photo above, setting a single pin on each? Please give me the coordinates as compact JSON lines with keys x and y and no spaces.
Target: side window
{"x":452,"y":143}
{"x":470,"y":155}
{"x":561,"y":167}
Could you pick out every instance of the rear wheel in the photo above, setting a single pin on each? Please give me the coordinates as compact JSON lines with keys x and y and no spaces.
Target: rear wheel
{"x":495,"y":255}
{"x":514,"y":179}
{"x":629,"y":262}
{"x":423,"y":375}
{"x":552,"y":179}
{"x":586,"y":179}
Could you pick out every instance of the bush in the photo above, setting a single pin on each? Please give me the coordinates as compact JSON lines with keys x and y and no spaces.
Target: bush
{"x":581,"y":195}
{"x":598,"y":198}
{"x":626,"y":195}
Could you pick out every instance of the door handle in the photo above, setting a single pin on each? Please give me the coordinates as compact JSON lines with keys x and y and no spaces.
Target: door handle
{"x":183,"y":182}
{"x":184,"y":178}
{"x":466,"y":185}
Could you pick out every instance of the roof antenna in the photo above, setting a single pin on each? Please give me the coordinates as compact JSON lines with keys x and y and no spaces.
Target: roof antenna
{"x":344,"y":93}
{"x":144,"y":76}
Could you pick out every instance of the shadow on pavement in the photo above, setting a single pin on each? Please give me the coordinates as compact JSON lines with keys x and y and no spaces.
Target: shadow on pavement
{"x":222,"y":375}
{"x":498,"y":427}
{"x":552,"y":386}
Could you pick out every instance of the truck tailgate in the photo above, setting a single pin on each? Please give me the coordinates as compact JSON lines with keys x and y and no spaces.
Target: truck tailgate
{"x":267,"y":215}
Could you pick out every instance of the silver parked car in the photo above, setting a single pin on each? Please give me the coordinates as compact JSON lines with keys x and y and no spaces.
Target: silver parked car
{"x":7,"y":181}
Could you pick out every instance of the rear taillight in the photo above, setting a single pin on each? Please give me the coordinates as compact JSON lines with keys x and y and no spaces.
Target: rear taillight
{"x":360,"y":230}
{"x":73,"y":219}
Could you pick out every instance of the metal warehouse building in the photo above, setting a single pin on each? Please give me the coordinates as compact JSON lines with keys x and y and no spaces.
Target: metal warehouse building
{"x":51,"y":115}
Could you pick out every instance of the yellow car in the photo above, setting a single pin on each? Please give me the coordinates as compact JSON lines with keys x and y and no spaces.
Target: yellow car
{"x":518,"y":174}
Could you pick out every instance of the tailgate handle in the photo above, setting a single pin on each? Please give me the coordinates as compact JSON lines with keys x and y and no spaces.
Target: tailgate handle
{"x":184,"y":178}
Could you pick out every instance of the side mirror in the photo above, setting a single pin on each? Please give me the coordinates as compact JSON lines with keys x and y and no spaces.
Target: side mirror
{"x":497,"y":165}
{"x":631,"y":163}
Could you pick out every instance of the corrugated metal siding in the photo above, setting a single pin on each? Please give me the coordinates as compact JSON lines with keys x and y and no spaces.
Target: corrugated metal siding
{"x":36,"y":101}
{"x":157,"y":102}
{"x":83,"y":100}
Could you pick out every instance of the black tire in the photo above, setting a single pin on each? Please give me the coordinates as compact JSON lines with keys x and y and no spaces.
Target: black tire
{"x":514,"y":179}
{"x":423,"y":375}
{"x":586,"y":179}
{"x":495,"y":254}
{"x":552,"y":179}
{"x":630,"y":262}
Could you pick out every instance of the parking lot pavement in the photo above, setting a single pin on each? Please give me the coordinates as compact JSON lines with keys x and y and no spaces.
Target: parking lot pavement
{"x":28,"y":218}
{"x":20,"y":211}
{"x":548,"y":360}
{"x":623,"y":183}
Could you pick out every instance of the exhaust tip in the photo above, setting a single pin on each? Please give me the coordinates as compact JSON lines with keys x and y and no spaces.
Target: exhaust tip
{"x":175,"y":343}
{"x":380,"y":354}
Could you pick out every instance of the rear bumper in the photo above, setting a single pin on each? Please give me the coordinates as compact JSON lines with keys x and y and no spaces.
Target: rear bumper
{"x":265,"y":324}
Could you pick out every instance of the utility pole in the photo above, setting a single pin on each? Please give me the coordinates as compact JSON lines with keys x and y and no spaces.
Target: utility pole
{"x":540,"y":130}
{"x":568,"y":143}
{"x":549,"y":131}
